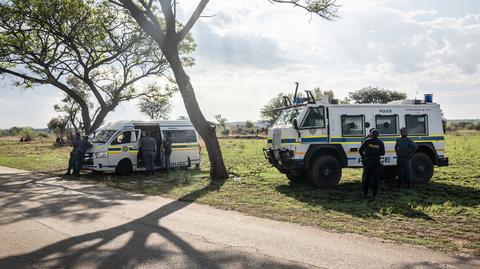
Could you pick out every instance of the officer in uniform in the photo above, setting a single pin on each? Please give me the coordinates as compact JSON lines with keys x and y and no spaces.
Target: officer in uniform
{"x":148,"y":146}
{"x":72,"y":159}
{"x":371,"y":151}
{"x":404,"y":148}
{"x":167,"y":147}
{"x":83,"y":146}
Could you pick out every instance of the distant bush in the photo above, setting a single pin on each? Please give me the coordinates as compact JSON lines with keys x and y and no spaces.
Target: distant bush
{"x":28,"y":134}
{"x":43,"y":135}
{"x":463,"y":125}
{"x":225,"y":132}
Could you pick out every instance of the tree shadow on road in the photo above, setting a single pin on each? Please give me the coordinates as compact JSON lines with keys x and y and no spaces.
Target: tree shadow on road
{"x":126,"y":245}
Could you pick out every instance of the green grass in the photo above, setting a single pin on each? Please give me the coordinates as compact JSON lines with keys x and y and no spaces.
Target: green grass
{"x":444,"y":214}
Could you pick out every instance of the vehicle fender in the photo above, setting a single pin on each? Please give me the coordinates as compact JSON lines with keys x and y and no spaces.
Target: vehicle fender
{"x":335,"y":150}
{"x":429,"y":149}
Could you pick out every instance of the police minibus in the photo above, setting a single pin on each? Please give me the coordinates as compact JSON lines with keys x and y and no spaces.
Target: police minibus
{"x":116,"y":146}
{"x":313,"y":139}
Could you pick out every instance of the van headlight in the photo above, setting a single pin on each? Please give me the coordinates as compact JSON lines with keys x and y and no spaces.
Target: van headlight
{"x":99,"y":155}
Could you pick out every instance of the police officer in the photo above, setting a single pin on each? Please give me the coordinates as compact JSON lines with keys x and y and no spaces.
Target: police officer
{"x":83,"y":146}
{"x":72,"y":159}
{"x":371,"y":151}
{"x":167,"y":147}
{"x":404,"y":148}
{"x":148,"y":147}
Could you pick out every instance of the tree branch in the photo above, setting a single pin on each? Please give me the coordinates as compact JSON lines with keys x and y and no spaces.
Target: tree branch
{"x":193,"y":19}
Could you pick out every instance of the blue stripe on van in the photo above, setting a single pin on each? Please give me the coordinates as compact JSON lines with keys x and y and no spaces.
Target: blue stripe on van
{"x":314,"y":139}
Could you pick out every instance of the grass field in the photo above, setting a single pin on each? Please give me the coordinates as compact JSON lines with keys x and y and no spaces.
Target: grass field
{"x":444,"y":214}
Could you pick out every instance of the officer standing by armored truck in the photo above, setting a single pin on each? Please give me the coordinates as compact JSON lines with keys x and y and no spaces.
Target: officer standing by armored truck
{"x":83,"y":146}
{"x":72,"y":159}
{"x":405,"y":148}
{"x":148,"y":147}
{"x":371,"y":151}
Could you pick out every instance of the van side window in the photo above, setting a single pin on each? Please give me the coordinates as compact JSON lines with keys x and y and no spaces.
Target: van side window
{"x":386,"y":124}
{"x":353,"y":125}
{"x":416,"y":124}
{"x":182,"y":136}
{"x":123,"y":138}
{"x":315,"y":118}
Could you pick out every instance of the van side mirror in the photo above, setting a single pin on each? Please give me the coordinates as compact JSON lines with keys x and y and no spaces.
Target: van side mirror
{"x":295,"y":124}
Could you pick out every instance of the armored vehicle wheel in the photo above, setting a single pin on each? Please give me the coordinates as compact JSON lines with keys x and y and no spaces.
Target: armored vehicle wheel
{"x":325,"y":172}
{"x":124,"y":167}
{"x":298,"y":177}
{"x":422,"y":168}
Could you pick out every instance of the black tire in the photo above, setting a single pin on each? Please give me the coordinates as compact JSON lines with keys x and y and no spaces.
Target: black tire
{"x":422,"y":168}
{"x":124,"y":167}
{"x":325,"y":172}
{"x":296,"y":177}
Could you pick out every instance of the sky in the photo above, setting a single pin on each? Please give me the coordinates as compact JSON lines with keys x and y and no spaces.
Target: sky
{"x":251,"y":50}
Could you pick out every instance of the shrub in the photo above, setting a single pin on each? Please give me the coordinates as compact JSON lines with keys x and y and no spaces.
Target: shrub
{"x":28,"y":134}
{"x":43,"y":135}
{"x":225,"y":132}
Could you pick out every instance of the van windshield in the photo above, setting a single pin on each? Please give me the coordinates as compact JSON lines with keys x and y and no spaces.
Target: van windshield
{"x":101,"y":136}
{"x":288,"y":116}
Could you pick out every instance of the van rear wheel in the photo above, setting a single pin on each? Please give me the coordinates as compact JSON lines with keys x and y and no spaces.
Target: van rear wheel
{"x":325,"y":172}
{"x":124,"y":167}
{"x":422,"y":168}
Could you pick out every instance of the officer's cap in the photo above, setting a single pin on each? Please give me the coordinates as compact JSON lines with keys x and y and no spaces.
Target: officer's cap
{"x":374,"y":132}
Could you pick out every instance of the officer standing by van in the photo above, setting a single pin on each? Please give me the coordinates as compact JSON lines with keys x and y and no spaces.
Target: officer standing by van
{"x":148,"y":147}
{"x":371,"y":151}
{"x":167,"y":147}
{"x":72,"y":159}
{"x":404,"y":148}
{"x":83,"y":146}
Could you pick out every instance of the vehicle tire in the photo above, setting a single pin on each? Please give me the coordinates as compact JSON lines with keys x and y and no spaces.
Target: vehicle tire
{"x":297,"y":177}
{"x":124,"y":167}
{"x":422,"y":168}
{"x":325,"y":172}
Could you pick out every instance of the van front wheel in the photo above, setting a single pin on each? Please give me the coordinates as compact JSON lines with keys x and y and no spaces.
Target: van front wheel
{"x":325,"y":172}
{"x":124,"y":167}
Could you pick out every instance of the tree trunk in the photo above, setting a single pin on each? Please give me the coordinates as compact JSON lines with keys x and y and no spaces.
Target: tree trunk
{"x":203,"y":127}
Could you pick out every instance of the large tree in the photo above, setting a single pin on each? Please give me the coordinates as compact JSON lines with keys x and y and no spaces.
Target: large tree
{"x":168,"y":34}
{"x":376,"y":95}
{"x":101,"y":47}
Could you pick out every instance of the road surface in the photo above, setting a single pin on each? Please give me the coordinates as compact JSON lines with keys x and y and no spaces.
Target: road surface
{"x":46,"y":222}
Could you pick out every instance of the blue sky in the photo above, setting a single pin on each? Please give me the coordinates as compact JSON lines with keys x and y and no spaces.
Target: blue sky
{"x":251,"y":50}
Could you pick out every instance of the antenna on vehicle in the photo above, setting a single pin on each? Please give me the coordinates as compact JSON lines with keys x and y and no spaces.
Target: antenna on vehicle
{"x":286,"y":101}
{"x":295,"y":100}
{"x":310,"y":98}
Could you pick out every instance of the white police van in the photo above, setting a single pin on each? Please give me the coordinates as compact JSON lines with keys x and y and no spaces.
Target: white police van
{"x":314,"y":140}
{"x":116,"y":145}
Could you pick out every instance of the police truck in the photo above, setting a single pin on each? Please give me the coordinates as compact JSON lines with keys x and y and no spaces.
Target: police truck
{"x":313,"y":140}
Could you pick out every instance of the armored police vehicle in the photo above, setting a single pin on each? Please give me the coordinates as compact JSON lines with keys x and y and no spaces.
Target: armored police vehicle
{"x":313,"y":139}
{"x":116,"y":145}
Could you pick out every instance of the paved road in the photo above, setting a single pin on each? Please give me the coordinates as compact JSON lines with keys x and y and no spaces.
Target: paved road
{"x":46,"y":222}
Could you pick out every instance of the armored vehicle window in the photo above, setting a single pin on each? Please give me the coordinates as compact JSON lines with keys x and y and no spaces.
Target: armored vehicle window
{"x":386,"y":125}
{"x":353,"y":125}
{"x":416,"y":124}
{"x":315,"y":118}
{"x":123,"y":138}
{"x":182,"y":136}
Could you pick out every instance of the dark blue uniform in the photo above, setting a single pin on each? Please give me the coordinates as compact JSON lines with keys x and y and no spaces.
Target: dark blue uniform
{"x":371,"y":151}
{"x":83,"y":146}
{"x":167,"y":147}
{"x":404,"y":148}
{"x":71,"y":161}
